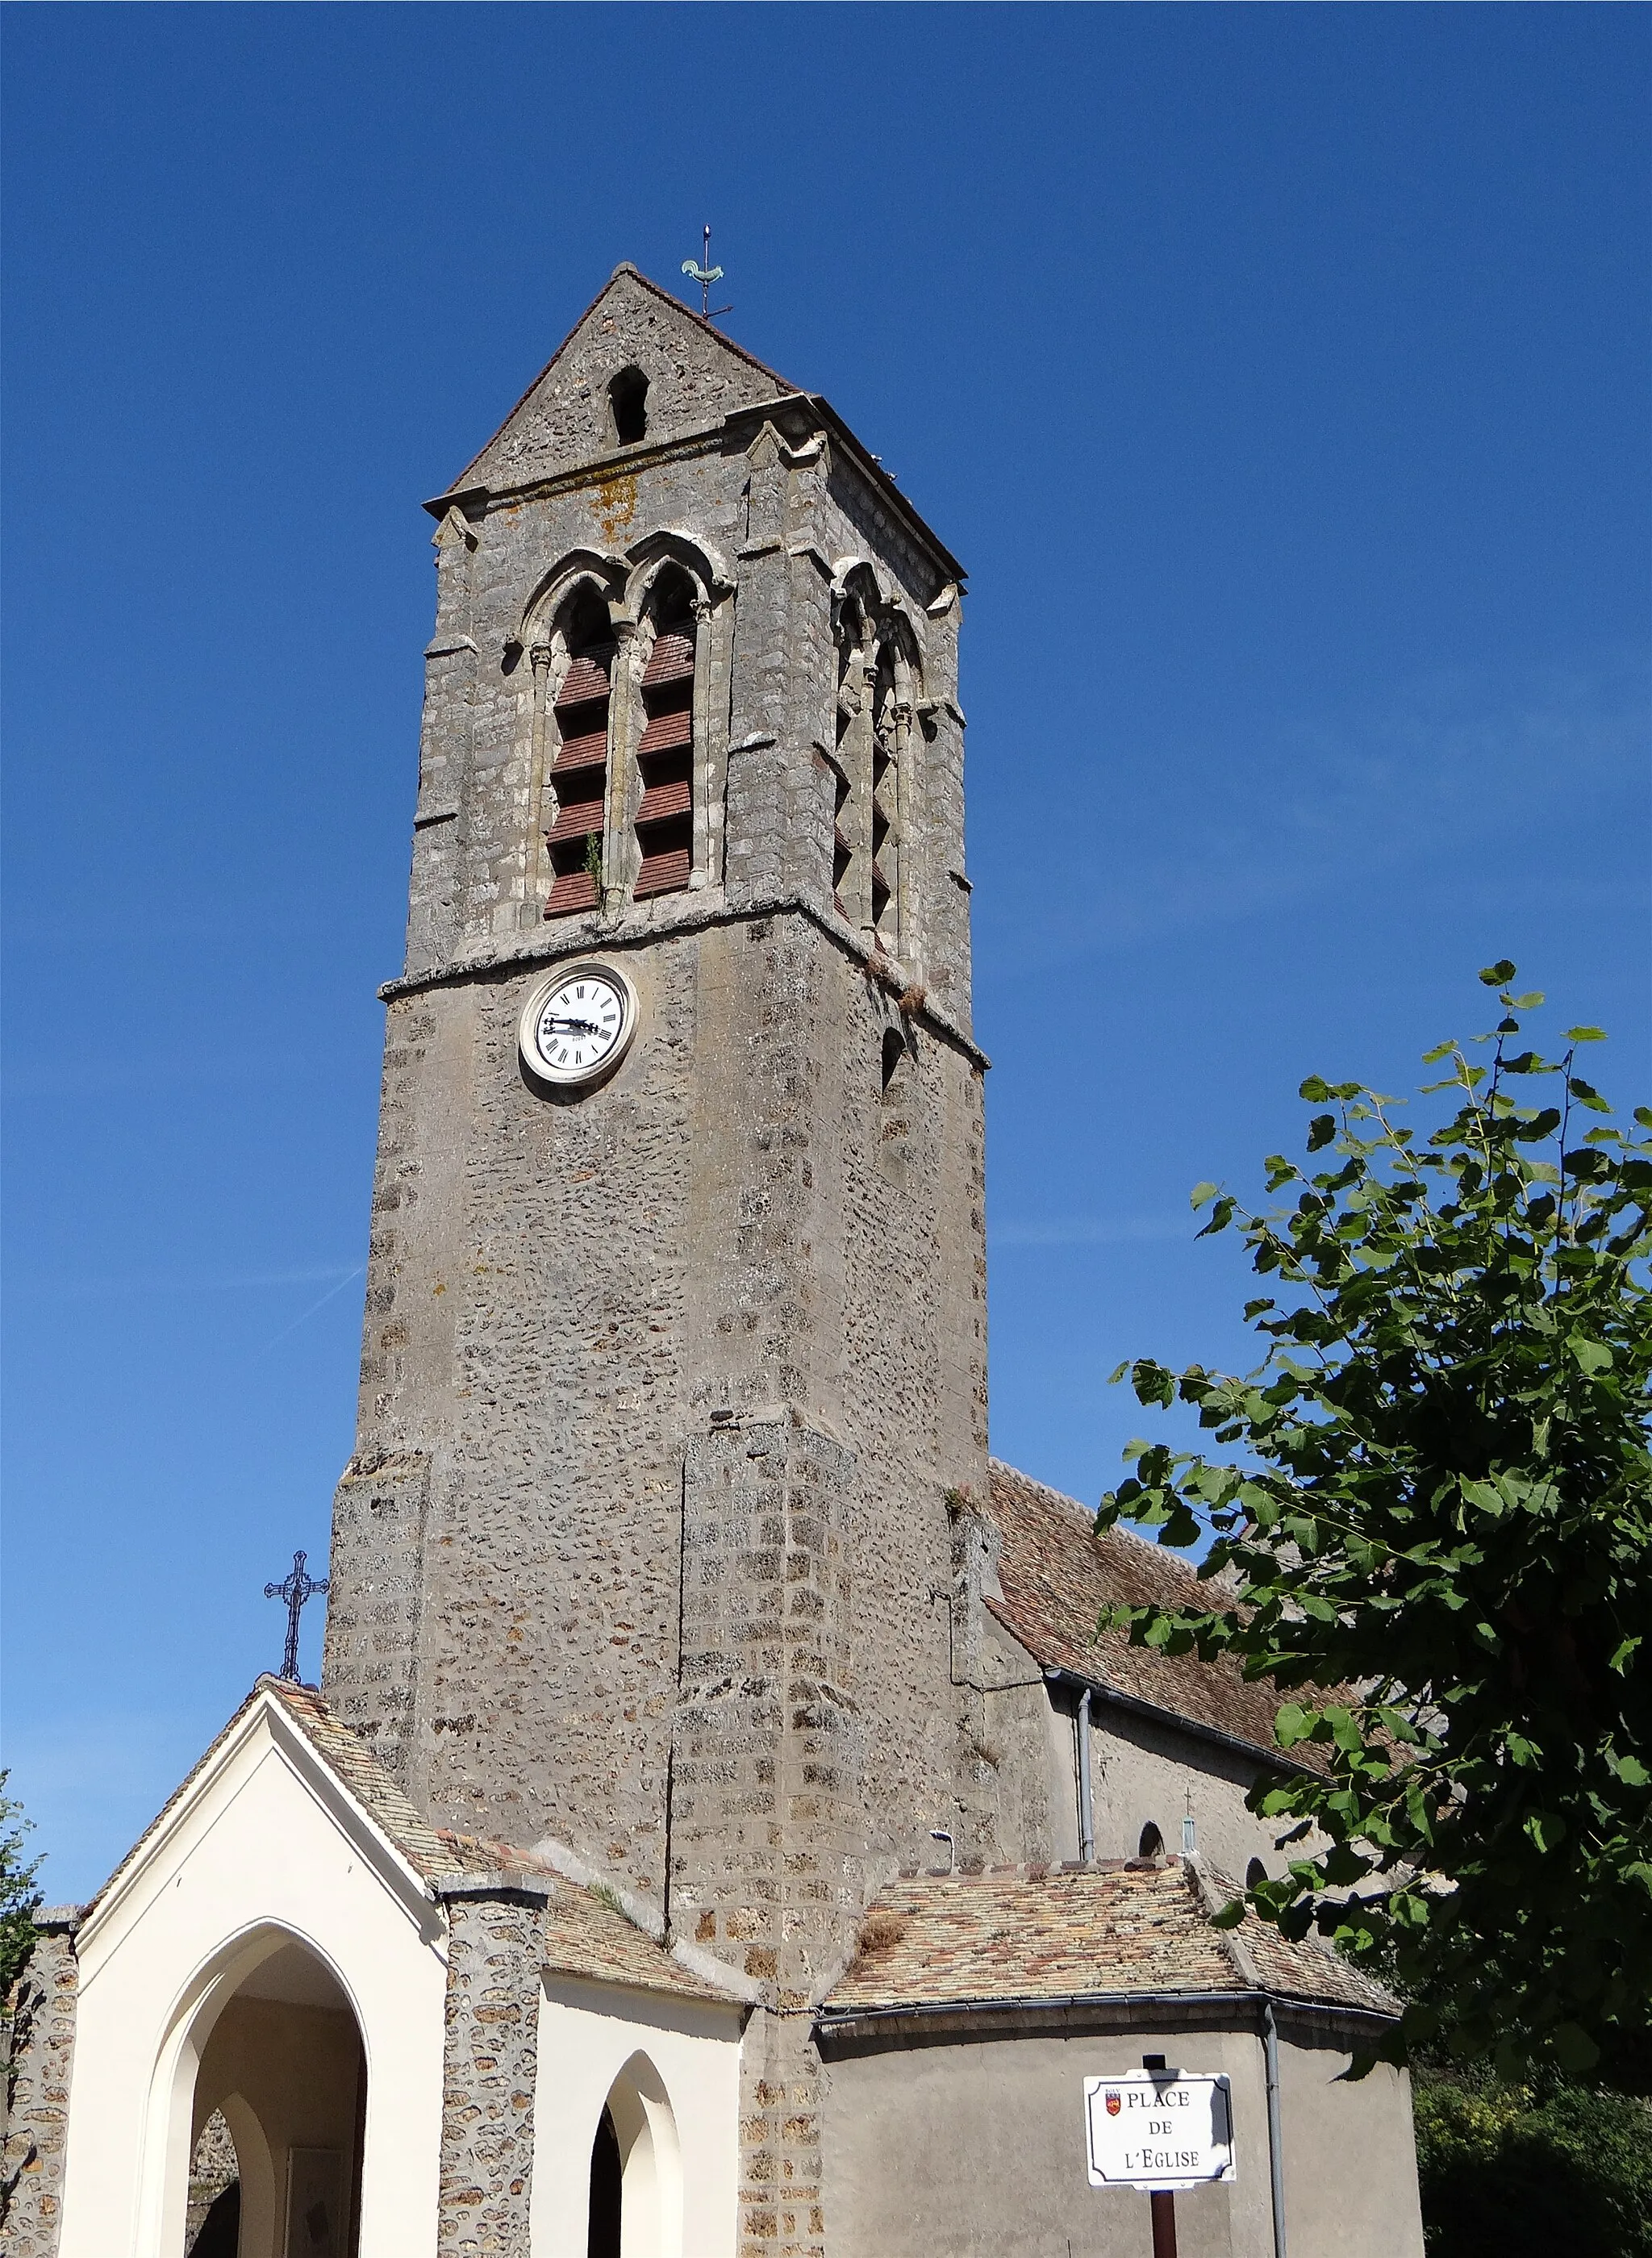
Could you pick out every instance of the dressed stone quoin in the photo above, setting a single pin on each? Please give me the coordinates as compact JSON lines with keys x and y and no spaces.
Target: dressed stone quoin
{"x":720,"y":1828}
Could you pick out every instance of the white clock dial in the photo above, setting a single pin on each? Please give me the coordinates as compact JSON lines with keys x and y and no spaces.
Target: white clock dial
{"x":578,"y":1024}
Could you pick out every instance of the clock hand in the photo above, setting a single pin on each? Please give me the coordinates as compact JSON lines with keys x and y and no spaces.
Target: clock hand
{"x":574,"y":1026}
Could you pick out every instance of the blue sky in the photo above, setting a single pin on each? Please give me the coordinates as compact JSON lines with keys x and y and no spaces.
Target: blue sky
{"x":1281,"y":373}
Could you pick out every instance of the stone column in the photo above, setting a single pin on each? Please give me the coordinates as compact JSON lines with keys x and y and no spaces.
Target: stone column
{"x":490,"y":2062}
{"x":40,"y":2051}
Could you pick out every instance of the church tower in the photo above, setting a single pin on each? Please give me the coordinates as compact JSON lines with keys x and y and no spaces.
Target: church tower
{"x":676,"y":1328}
{"x":591,"y":1906}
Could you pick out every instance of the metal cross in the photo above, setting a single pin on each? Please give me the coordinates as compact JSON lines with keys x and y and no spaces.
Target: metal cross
{"x":294,"y":1589}
{"x":705,"y":275}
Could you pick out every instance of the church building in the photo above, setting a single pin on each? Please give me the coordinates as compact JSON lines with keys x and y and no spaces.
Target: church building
{"x":721,"y":1830}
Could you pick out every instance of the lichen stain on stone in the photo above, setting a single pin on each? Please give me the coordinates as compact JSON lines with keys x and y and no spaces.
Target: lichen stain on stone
{"x":616,"y":502}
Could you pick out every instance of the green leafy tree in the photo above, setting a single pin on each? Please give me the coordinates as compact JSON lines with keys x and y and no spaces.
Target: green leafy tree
{"x":19,"y":1899}
{"x":1510,"y":2172}
{"x":1441,"y":1535}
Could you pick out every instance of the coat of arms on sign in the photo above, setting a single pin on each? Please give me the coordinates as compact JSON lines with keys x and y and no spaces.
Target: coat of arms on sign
{"x":1114,"y":2105}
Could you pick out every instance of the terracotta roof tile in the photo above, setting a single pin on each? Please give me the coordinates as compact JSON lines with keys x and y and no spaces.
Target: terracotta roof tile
{"x":584,"y":1935}
{"x":1057,"y":1574}
{"x":355,"y":1763}
{"x":1058,"y":1933}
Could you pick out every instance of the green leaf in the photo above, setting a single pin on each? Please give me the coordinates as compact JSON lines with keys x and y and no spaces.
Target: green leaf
{"x":1202,"y":1195}
{"x":1547,"y":1829}
{"x":1592,"y":1357}
{"x":1495,"y":975}
{"x":1526,"y":1003}
{"x":1292,"y":1725}
{"x":1314,"y":1090}
{"x":1322,"y":1131}
{"x":1585,"y":1034}
{"x":1586,"y":1094}
{"x":1230,"y":1916}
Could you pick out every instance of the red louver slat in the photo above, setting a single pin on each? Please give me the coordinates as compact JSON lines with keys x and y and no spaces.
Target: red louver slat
{"x":587,"y":752}
{"x":574,"y":890}
{"x":577,"y":821}
{"x":660,"y":801}
{"x":671,"y":660}
{"x":664,"y":874}
{"x":666,"y":732}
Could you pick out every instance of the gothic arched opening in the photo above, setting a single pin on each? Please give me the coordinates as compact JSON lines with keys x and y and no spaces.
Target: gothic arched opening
{"x":608,"y":2170}
{"x":636,"y":2178}
{"x":284,"y":2074}
{"x":1151,"y":1844}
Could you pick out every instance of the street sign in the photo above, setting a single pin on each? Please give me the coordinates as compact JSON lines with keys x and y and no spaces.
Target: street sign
{"x":1166,"y":2128}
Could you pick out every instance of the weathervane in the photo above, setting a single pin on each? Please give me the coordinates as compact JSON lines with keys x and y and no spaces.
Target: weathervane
{"x":705,"y":275}
{"x":294,"y":1589}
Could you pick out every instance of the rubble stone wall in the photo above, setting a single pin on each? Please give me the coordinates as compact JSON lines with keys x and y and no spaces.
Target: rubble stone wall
{"x":39,"y":2037}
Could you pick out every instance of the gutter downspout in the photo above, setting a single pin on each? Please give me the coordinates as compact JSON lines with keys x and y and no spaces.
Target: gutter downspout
{"x":1086,"y":1802}
{"x":1275,"y":2138}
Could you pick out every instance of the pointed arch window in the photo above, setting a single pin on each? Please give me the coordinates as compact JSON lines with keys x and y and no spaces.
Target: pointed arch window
{"x":665,"y":751}
{"x":579,"y":774}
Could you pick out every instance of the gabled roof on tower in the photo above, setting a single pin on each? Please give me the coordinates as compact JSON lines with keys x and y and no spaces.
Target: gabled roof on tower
{"x":698,"y":379}
{"x":1057,"y":1574}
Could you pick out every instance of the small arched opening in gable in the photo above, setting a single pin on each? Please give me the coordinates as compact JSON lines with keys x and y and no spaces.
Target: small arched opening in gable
{"x":628,"y":406}
{"x":1151,"y":1844}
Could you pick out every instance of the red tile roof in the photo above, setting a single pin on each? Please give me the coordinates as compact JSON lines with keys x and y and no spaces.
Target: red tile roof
{"x":1031,"y":1932}
{"x":1057,"y":1575}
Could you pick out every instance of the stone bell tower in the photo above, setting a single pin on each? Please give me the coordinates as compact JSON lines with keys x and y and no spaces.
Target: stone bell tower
{"x":645,"y":1553}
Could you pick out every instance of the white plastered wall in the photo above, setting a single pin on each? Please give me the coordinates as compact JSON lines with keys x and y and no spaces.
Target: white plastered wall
{"x":264,"y":1847}
{"x":680,"y":2104}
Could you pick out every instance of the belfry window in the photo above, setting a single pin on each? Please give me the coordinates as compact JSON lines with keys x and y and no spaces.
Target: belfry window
{"x":848,"y":851}
{"x":886,"y":837}
{"x":579,"y":774}
{"x":665,"y":751}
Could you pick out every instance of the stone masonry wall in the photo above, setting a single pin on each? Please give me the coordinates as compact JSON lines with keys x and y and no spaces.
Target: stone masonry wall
{"x":372,"y":1628}
{"x":40,"y":2035}
{"x":490,"y":2062}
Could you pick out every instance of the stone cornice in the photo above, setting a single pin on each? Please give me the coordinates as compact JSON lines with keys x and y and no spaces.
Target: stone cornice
{"x":580,"y":936}
{"x":711,"y":438}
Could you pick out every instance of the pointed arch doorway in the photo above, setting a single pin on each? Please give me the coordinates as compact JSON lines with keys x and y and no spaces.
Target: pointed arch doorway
{"x":282,"y":2066}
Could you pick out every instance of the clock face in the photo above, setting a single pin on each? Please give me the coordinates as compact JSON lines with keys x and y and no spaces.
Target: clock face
{"x":579,"y":1024}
